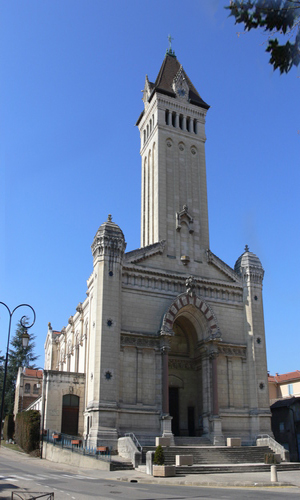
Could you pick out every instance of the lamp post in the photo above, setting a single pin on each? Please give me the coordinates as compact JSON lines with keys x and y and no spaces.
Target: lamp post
{"x":25,"y":341}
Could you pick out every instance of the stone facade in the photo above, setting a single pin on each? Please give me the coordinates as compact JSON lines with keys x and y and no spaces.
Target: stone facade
{"x":169,"y":340}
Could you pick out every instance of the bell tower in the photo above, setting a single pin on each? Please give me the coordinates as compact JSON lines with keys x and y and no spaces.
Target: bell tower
{"x":174,"y":196}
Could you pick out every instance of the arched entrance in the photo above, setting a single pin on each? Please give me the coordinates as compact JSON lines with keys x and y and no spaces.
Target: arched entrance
{"x":189,"y":335}
{"x":70,"y":412}
{"x":185,"y":375}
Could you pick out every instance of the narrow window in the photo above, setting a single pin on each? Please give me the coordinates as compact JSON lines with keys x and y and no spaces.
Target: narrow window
{"x":144,"y":136}
{"x":180,"y":121}
{"x":290,"y":388}
{"x":174,"y":119}
{"x":195,"y":126}
{"x":167,"y":117}
{"x":188,"y":123}
{"x":76,"y":358}
{"x":147,"y":131}
{"x":35,"y":389}
{"x":27,"y":388}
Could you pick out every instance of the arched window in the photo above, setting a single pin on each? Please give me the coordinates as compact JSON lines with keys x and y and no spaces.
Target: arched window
{"x":27,"y":388}
{"x":70,"y":412}
{"x":195,"y":126}
{"x":167,"y":116}
{"x":77,"y":358}
{"x":144,"y":136}
{"x":180,"y":121}
{"x":174,"y":119}
{"x":35,"y":389}
{"x":188,"y":122}
{"x":150,"y":125}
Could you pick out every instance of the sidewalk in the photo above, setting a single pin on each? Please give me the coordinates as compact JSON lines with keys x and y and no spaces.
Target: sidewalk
{"x":286,"y":479}
{"x":231,"y":479}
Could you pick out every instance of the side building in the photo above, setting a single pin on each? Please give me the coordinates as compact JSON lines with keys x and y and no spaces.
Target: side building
{"x":28,"y":388}
{"x":169,"y":340}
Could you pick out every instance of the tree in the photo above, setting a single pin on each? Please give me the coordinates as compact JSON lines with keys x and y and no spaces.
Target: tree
{"x":18,"y":356}
{"x":277,"y":17}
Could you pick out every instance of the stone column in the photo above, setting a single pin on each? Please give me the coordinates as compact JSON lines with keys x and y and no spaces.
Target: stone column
{"x":165,"y":380}
{"x":215,"y":405}
{"x":216,"y":430}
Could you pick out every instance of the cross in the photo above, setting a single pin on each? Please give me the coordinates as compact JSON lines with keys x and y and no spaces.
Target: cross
{"x":170,"y":42}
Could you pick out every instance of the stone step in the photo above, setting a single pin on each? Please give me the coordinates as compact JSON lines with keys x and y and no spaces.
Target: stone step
{"x":116,"y":465}
{"x":192,"y":441}
{"x":219,"y":469}
{"x":214,"y":455}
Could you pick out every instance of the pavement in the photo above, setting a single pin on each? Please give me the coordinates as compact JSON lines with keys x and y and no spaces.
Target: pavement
{"x":230,"y":479}
{"x":286,"y":479}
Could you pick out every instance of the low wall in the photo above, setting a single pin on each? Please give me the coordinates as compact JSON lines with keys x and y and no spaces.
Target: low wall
{"x":127,"y":449}
{"x":64,"y":456}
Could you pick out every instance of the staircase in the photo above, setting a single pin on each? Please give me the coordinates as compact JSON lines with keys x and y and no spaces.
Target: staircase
{"x":208,"y":455}
{"x":239,"y":468}
{"x":118,"y":465}
{"x":192,"y":441}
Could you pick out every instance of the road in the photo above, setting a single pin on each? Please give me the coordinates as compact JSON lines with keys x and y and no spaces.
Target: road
{"x":18,"y":472}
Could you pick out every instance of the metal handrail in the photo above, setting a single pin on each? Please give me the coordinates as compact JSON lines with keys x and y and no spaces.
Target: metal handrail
{"x":135,"y":440}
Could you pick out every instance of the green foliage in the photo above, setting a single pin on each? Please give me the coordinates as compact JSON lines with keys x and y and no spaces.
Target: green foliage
{"x":18,"y":357}
{"x":281,"y":17}
{"x":159,"y":457}
{"x":27,"y":431}
{"x":270,"y":458}
{"x":8,"y":427}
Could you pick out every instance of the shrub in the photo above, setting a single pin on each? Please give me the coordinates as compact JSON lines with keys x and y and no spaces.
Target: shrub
{"x":27,"y":434}
{"x":159,"y":457}
{"x":8,"y":427}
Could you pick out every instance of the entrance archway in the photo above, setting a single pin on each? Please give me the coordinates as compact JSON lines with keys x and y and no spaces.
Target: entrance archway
{"x":70,"y":412}
{"x":185,"y":374}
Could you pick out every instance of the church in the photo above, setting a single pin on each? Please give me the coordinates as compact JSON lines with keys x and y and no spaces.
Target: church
{"x":169,"y":340}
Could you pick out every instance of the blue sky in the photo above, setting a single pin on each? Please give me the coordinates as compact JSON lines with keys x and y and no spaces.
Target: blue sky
{"x":71,"y":74}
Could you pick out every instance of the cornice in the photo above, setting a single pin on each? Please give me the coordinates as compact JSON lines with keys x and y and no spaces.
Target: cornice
{"x":146,"y":271}
{"x":222,"y":266}
{"x":181,"y":105}
{"x":145,"y":252}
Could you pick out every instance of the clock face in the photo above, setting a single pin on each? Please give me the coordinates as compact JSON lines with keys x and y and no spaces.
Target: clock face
{"x":181,"y":92}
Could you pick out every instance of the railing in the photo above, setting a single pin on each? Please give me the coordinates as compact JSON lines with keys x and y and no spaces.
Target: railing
{"x":266,"y":440}
{"x":135,"y":440}
{"x":27,"y":495}
{"x":76,"y":445}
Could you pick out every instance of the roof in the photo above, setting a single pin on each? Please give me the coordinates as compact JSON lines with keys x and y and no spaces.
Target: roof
{"x":247,"y":260}
{"x":164,"y":81}
{"x":29,"y":372}
{"x":285,"y":402}
{"x":285,"y":377}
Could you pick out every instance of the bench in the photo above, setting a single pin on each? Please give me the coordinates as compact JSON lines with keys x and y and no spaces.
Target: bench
{"x":75,"y":442}
{"x":102,"y":449}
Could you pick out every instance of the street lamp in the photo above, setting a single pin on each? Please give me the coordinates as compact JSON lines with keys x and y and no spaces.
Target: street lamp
{"x":25,"y":341}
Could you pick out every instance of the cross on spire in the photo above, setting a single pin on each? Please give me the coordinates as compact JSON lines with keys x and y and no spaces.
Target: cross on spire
{"x":169,"y":51}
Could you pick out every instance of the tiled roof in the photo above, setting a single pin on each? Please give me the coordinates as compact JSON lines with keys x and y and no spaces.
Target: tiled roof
{"x":33,"y":373}
{"x":165,"y":77}
{"x":285,"y":377}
